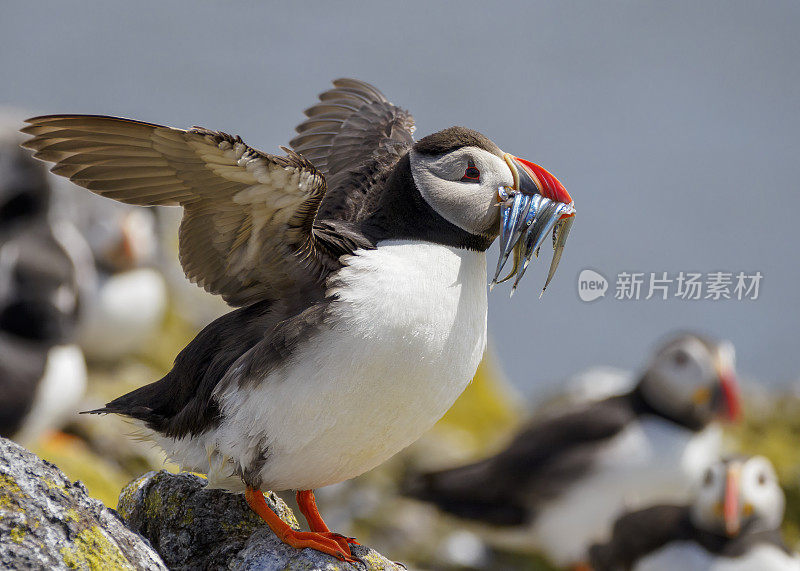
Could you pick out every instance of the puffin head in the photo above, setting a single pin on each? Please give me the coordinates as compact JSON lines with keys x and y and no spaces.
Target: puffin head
{"x":24,"y":187}
{"x":693,"y":378}
{"x":471,"y":183}
{"x":739,"y":494}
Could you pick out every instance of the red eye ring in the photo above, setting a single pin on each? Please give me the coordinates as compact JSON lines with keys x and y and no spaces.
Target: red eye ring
{"x":471,"y":174}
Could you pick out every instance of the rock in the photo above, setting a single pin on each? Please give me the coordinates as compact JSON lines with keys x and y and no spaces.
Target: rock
{"x":195,"y":527}
{"x":48,"y":522}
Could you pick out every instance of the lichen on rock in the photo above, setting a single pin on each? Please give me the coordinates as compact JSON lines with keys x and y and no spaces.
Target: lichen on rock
{"x":192,"y":526}
{"x":48,"y":522}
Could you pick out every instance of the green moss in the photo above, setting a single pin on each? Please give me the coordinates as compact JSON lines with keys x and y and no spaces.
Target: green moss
{"x":10,"y":493}
{"x":244,"y":526}
{"x":153,"y":504}
{"x":91,"y":549}
{"x":172,"y":505}
{"x":51,"y":484}
{"x":127,"y":498}
{"x":17,"y":535}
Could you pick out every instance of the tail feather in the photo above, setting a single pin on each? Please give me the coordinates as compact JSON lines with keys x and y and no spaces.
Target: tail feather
{"x":138,"y":404}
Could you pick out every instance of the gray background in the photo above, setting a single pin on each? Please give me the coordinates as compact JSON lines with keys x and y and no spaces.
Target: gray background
{"x":673,"y":125}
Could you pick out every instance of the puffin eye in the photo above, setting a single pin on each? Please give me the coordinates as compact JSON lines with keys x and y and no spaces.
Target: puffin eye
{"x":708,"y":479}
{"x":681,"y":358}
{"x":472,"y":174}
{"x":762,"y":478}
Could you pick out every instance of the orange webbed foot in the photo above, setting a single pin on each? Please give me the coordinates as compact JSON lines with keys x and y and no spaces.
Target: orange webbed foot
{"x":330,"y":543}
{"x":308,"y":507}
{"x":320,"y":538}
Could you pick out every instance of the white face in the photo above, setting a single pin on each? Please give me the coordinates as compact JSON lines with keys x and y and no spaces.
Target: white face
{"x":751,"y":485}
{"x":685,"y":373}
{"x":762,"y":497}
{"x":448,"y":184}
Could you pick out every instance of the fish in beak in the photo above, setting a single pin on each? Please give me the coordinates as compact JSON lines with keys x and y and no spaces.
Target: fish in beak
{"x":536,"y":205}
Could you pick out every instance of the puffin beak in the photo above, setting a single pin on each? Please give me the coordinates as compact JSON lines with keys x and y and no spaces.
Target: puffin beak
{"x":535,"y":205}
{"x":730,"y":507}
{"x":730,"y":395}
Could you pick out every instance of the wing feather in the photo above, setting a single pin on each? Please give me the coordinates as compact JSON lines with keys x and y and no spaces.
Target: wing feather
{"x":247,"y":232}
{"x":351,"y":134}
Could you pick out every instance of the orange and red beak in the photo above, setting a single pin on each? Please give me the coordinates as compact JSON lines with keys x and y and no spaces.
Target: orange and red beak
{"x":731,"y":396}
{"x":730,"y":506}
{"x":536,"y":204}
{"x":530,"y":178}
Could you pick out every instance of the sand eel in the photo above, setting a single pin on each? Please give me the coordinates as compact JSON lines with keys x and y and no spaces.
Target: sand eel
{"x":732,"y":524}
{"x":357,"y":265}
{"x":563,"y":480}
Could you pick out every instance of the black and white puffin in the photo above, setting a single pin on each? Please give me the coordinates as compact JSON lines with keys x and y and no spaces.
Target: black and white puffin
{"x":562,"y":481}
{"x":732,"y":524}
{"x":43,"y":263}
{"x":357,"y":266}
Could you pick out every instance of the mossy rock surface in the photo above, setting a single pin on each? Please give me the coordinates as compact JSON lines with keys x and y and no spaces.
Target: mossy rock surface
{"x":193,"y":527}
{"x":48,"y":522}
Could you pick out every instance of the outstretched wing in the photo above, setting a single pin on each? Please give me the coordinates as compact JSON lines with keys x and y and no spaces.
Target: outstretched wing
{"x":353,"y":135}
{"x":247,"y":230}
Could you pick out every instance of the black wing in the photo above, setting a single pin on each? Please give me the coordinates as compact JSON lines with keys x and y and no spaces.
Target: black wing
{"x":354,"y":135}
{"x":540,"y":463}
{"x":639,"y":533}
{"x":239,"y":346}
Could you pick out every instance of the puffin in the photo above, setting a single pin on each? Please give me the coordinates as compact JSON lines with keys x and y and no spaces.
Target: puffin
{"x":127,"y":307}
{"x":565,"y":477}
{"x":43,"y":265}
{"x":731,"y":524}
{"x":356,"y":266}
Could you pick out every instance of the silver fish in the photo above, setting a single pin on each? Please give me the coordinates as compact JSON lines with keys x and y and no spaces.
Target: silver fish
{"x":513,"y":210}
{"x":546,"y":218}
{"x":560,"y":234}
{"x":525,"y":220}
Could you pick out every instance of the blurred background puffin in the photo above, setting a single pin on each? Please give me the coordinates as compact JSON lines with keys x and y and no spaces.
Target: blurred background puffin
{"x":46,"y":271}
{"x":731,"y":525}
{"x":127,"y":307}
{"x":564,"y":478}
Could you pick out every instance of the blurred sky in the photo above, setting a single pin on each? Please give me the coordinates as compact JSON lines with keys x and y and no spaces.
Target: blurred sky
{"x":674,"y":125}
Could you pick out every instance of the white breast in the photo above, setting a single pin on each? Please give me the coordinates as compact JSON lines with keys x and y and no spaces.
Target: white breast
{"x":651,"y":461}
{"x":124,"y":314}
{"x":59,"y":392}
{"x":405,"y":336}
{"x":689,"y":556}
{"x":684,"y":555}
